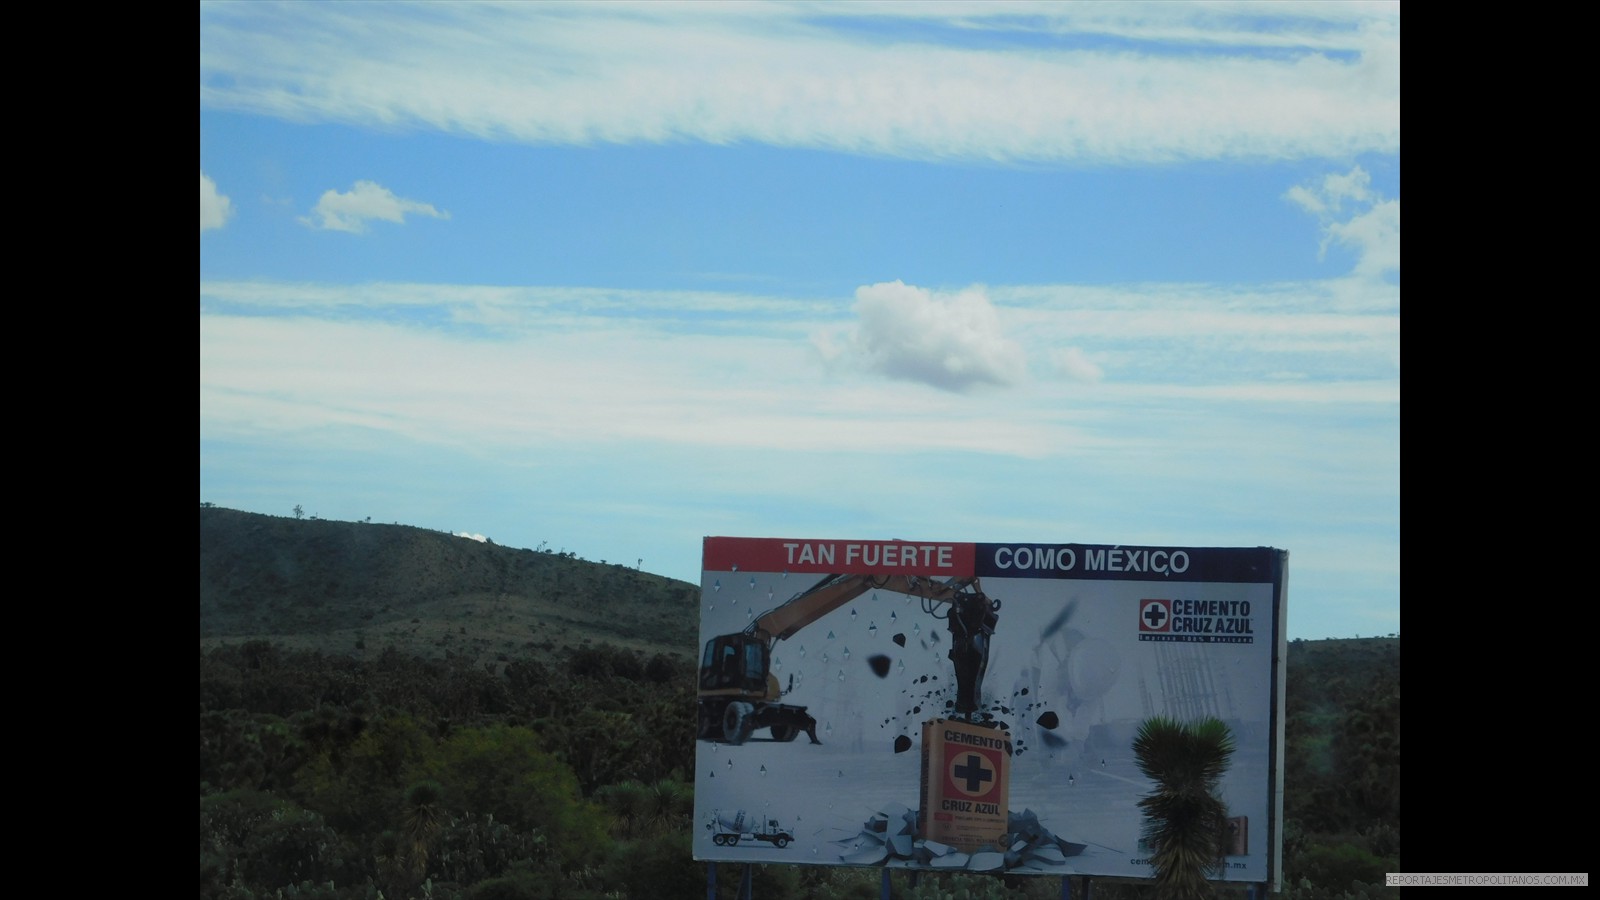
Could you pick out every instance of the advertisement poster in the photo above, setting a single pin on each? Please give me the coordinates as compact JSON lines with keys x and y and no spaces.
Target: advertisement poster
{"x":968,"y":706}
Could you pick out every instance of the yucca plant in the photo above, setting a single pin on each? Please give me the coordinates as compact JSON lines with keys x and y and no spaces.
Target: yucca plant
{"x":1185,"y":819}
{"x":424,"y":819}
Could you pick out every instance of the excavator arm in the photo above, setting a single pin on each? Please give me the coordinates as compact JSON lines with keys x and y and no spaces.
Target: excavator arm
{"x":834,"y":591}
{"x":738,"y":690}
{"x":971,"y":618}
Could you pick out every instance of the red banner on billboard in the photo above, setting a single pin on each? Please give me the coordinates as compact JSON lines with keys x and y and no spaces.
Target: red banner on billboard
{"x":927,"y":558}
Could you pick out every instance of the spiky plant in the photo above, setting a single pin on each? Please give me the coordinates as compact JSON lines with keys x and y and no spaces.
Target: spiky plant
{"x":1185,"y":819}
{"x":424,"y":819}
{"x":628,"y":804}
{"x":671,"y":804}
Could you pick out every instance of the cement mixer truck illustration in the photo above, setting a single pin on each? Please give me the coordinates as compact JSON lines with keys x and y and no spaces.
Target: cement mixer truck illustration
{"x":729,"y":832}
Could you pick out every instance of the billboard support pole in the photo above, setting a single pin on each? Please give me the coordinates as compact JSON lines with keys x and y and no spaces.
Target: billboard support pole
{"x":883,"y":891}
{"x":1066,"y":888}
{"x":711,"y":880}
{"x":745,"y":887}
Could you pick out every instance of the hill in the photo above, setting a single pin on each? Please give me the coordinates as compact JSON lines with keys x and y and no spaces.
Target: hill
{"x":498,"y":664}
{"x":356,"y":588}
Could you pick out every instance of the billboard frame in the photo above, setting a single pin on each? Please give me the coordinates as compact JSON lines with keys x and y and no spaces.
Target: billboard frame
{"x":1211,"y":636}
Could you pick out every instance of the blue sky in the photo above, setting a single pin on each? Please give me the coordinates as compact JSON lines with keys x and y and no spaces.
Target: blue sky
{"x":616,"y":276}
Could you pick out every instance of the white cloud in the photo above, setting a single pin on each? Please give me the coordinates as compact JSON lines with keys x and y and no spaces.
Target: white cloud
{"x":1199,"y":433}
{"x":1075,"y":366}
{"x":1321,"y":333}
{"x":1356,"y":216}
{"x":215,"y":208}
{"x":949,"y":341}
{"x":595,"y":385}
{"x":1327,"y":198}
{"x":365,"y":201}
{"x":1375,"y":236}
{"x":1082,"y":83}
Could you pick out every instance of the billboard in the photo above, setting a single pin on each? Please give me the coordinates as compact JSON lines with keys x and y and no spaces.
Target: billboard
{"x":970,"y":706}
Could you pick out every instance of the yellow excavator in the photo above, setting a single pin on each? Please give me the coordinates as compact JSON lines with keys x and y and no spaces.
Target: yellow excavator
{"x":739,"y":694}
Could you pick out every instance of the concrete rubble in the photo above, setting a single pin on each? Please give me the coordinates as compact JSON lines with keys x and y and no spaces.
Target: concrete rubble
{"x":889,"y":838}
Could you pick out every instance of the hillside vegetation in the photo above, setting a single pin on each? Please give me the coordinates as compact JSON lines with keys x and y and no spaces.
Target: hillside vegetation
{"x":355,"y":588}
{"x":392,"y":712}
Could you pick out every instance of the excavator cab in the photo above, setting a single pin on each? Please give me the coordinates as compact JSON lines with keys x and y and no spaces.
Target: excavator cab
{"x":738,"y":693}
{"x":736,"y":661}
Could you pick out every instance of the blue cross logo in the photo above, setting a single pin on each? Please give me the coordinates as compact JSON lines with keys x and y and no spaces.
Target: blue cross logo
{"x":1154,"y":616}
{"x":973,"y":773}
